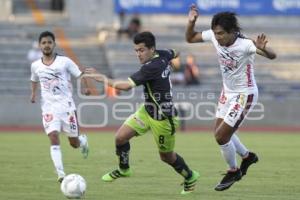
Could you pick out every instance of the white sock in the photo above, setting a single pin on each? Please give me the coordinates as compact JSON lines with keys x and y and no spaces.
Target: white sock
{"x":56,"y":156}
{"x":82,"y":140}
{"x":228,"y":152}
{"x":239,"y":146}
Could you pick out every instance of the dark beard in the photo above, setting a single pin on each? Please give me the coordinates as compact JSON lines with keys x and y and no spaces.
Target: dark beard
{"x":47,"y":54}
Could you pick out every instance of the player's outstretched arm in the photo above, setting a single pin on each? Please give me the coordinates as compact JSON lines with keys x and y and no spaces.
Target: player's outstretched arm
{"x":87,"y":84}
{"x":118,"y":84}
{"x":34,"y":86}
{"x":262,"y":49}
{"x":191,"y":36}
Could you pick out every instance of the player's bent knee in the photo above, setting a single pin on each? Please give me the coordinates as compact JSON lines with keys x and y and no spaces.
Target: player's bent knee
{"x":120,"y":140}
{"x":167,"y":158}
{"x":74,"y":143}
{"x":163,"y":158}
{"x":54,"y":139}
{"x":220,"y":138}
{"x":123,"y":137}
{"x":75,"y":146}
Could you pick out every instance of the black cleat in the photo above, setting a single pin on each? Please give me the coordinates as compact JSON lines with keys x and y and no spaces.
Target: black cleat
{"x":251,"y":159}
{"x":60,"y":179}
{"x":229,"y":179}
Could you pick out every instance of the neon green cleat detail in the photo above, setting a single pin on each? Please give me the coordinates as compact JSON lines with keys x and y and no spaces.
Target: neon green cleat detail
{"x":118,"y":173}
{"x":190,"y":184}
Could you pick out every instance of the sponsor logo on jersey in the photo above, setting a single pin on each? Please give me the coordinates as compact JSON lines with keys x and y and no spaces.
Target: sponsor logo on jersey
{"x":72,"y":119}
{"x":228,"y":64}
{"x":166,"y":72}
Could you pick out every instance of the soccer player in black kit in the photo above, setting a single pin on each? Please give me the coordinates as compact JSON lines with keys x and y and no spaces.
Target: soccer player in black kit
{"x":157,"y":114}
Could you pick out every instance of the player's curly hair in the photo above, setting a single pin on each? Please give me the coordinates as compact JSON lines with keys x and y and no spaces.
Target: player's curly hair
{"x":46,"y":34}
{"x":227,"y":20}
{"x":145,"y":37}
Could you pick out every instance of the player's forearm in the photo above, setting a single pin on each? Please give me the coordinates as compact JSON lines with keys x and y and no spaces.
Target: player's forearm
{"x":119,"y":84}
{"x":190,"y":32}
{"x":269,"y":52}
{"x":84,"y":82}
{"x":33,"y":87}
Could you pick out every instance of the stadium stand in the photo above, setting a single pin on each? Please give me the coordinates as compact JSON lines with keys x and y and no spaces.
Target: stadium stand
{"x":16,"y":38}
{"x":273,"y":78}
{"x":278,"y":81}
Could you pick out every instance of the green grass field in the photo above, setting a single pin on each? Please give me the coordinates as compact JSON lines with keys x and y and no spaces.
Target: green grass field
{"x":27,"y":172}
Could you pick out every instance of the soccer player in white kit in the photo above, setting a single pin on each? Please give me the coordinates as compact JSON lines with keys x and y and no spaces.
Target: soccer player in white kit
{"x":53,"y":72}
{"x":236,"y":58}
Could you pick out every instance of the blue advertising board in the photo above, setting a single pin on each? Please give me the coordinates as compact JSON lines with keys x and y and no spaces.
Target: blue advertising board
{"x":242,"y":7}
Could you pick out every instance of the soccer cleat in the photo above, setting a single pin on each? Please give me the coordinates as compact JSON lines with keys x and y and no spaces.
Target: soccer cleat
{"x":249,"y":160}
{"x":118,"y":173}
{"x":60,"y":175}
{"x":190,"y":184}
{"x":60,"y":179}
{"x":84,"y":145}
{"x":229,"y":179}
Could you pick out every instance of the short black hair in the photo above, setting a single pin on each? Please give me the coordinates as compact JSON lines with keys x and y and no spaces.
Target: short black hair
{"x":145,"y":37}
{"x":227,"y":20}
{"x":46,"y":34}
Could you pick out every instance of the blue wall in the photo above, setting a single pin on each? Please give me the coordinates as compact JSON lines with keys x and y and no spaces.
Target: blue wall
{"x":242,"y":7}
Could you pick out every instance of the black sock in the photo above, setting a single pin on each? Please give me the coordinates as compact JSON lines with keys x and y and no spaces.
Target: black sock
{"x":181,"y":167}
{"x":123,"y":154}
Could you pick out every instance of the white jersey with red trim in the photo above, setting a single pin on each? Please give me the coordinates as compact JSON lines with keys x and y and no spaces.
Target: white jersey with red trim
{"x":55,"y":82}
{"x":236,"y":63}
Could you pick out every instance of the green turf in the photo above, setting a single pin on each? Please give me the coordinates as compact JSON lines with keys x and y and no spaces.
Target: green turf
{"x":27,"y":172}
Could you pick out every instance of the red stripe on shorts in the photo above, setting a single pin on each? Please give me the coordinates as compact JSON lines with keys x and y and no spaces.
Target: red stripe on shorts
{"x":245,"y":112}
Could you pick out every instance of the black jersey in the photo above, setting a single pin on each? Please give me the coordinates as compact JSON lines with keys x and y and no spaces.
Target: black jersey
{"x":155,"y":77}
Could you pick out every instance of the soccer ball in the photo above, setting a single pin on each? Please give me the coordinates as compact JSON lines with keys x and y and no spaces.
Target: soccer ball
{"x":73,"y":186}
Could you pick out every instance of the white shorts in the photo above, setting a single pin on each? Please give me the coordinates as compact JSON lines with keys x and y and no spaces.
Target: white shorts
{"x":66,"y":121}
{"x":233,"y":107}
